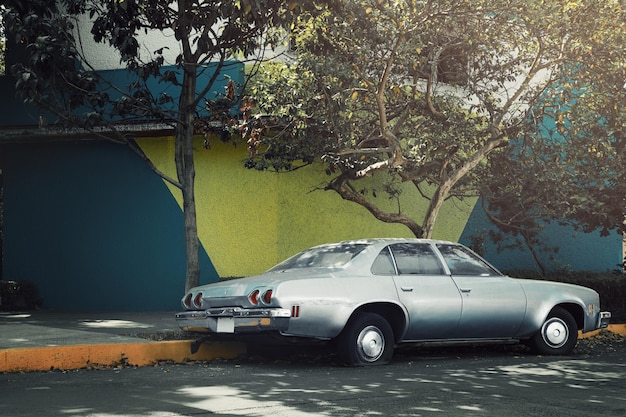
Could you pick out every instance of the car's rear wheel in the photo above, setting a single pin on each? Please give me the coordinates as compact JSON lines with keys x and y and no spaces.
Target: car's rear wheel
{"x":558,"y":334}
{"x":367,"y":339}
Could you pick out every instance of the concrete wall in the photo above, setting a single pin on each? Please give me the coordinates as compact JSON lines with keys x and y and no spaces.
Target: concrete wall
{"x":250,"y":220}
{"x":95,"y":229}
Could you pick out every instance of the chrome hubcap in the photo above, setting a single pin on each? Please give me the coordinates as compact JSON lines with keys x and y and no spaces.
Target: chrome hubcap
{"x":370,"y":343}
{"x":555,"y":332}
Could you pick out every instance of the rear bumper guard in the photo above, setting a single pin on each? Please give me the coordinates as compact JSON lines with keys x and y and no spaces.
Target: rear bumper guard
{"x":234,"y":320}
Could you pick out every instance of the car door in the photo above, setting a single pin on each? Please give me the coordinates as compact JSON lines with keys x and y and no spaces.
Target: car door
{"x":493,"y":304}
{"x":429,"y":295}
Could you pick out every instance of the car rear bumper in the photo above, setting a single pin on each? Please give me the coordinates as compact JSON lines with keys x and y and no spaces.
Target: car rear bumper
{"x":234,"y":320}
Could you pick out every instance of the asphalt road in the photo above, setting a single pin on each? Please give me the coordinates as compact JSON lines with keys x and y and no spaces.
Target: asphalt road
{"x":433,"y":381}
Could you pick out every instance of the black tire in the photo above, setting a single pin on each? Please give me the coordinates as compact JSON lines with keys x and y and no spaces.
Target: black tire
{"x":366,"y":340}
{"x":558,"y":335}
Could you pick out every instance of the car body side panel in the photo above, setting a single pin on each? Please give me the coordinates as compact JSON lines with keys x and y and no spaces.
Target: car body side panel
{"x":493,"y":306}
{"x":543,"y":296}
{"x":434,"y":305}
{"x":325,"y":305}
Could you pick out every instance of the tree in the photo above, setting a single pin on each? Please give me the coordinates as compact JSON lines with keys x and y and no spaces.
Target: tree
{"x":570,"y":168}
{"x":425,"y":91}
{"x":59,"y":79}
{"x":2,"y":42}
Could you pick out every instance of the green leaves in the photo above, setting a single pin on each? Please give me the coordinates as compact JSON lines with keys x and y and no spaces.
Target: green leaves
{"x":428,"y":92}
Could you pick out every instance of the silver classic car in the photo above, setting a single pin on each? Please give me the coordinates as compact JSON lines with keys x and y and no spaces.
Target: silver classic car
{"x":369,"y":295}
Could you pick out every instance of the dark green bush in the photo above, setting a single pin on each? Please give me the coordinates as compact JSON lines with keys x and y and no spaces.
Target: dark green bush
{"x":19,"y":295}
{"x":610,"y":286}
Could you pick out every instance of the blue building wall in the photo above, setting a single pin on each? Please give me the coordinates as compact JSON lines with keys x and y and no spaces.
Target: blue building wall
{"x":93,"y":227}
{"x":87,"y":221}
{"x":577,"y":251}
{"x":13,"y":111}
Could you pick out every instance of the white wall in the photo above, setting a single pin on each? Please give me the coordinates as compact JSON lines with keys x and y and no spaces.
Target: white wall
{"x":101,"y":56}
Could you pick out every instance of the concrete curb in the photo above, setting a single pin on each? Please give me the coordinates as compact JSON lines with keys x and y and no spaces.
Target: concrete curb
{"x":134,"y":354}
{"x":138,"y":354}
{"x":614,"y":328}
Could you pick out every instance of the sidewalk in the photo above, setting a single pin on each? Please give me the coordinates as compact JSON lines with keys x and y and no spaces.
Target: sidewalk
{"x":42,"y":340}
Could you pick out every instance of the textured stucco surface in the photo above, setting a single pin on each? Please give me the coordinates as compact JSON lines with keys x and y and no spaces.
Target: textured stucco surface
{"x":249,"y":220}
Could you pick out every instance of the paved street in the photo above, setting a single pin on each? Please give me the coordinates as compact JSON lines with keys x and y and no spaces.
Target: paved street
{"x":483,"y":381}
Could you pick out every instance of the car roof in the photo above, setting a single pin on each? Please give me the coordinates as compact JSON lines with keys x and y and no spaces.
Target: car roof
{"x":387,"y":240}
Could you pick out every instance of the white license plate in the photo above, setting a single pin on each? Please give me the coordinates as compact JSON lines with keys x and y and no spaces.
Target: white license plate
{"x":225,"y":325}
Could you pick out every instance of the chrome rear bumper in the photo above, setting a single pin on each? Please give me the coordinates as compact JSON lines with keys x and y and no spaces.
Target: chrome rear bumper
{"x":234,"y":320}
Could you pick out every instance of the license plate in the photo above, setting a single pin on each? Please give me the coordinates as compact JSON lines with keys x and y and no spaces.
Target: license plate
{"x":225,"y":325}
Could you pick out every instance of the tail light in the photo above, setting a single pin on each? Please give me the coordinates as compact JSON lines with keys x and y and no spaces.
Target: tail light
{"x":197,"y":300}
{"x":254,"y":297}
{"x":266,"y":298}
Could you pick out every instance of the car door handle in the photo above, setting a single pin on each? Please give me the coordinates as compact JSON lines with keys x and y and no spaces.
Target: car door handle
{"x":466,"y":290}
{"x":407,"y":289}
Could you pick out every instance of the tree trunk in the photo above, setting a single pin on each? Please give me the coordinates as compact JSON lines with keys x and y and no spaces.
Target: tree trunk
{"x":436,"y":202}
{"x":341,"y":186}
{"x":450,"y":180}
{"x":186,"y":174}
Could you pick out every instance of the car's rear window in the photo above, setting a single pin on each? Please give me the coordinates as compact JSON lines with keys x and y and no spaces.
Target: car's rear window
{"x":329,"y":256}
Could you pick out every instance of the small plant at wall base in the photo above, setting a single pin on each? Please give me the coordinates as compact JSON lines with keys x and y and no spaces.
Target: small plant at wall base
{"x":19,"y":295}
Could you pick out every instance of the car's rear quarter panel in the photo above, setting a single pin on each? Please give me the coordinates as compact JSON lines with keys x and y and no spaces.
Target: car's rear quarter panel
{"x":326,"y":304}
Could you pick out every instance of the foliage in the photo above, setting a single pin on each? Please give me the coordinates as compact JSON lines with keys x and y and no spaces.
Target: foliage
{"x":58,"y":78}
{"x":571,"y":168}
{"x":2,"y":44}
{"x":425,"y":91}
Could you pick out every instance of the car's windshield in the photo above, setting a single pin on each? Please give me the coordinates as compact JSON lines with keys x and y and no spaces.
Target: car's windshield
{"x":328,"y":256}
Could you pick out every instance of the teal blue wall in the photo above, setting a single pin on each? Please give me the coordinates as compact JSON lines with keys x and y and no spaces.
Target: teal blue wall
{"x":577,"y":251}
{"x":13,"y":111}
{"x":93,"y":227}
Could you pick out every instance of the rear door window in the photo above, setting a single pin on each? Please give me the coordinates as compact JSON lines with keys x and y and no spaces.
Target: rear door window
{"x":462,"y":261}
{"x":407,"y":259}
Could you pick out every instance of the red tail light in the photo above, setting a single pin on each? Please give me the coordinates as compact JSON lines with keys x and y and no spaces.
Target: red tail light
{"x":197,"y":300}
{"x":266,"y":298}
{"x":254,"y":297}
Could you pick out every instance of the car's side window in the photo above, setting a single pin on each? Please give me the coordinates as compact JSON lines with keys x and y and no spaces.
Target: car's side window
{"x":383,"y":264}
{"x":461,"y":261}
{"x":416,"y":259}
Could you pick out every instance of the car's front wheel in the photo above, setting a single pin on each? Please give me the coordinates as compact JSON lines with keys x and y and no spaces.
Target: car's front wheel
{"x":558,"y":334}
{"x":367,"y":339}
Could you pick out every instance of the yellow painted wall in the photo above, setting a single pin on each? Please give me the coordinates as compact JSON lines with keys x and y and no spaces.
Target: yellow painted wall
{"x":249,"y":220}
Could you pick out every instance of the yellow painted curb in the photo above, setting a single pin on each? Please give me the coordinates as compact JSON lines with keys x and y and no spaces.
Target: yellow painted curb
{"x":135,"y":354}
{"x":615,"y":328}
